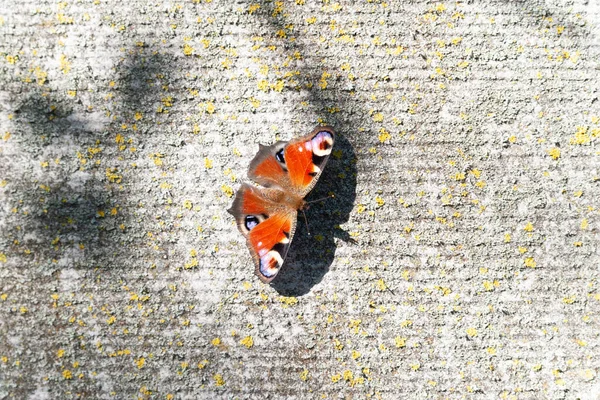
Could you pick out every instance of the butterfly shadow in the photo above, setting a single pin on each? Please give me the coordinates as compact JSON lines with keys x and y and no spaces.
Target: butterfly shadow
{"x":311,"y":255}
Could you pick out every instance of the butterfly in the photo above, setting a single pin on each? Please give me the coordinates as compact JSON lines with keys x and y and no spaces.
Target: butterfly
{"x":266,"y":215}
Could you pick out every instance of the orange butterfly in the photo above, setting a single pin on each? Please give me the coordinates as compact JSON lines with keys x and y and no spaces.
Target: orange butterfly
{"x":266,"y":216}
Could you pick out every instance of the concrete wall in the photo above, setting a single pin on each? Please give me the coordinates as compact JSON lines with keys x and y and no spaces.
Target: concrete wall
{"x":459,"y":258}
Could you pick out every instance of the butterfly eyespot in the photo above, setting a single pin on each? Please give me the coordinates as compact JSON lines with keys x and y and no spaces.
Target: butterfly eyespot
{"x":322,"y":143}
{"x":279,"y":156}
{"x":250,"y":222}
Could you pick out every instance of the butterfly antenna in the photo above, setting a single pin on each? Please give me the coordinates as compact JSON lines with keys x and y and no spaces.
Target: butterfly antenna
{"x":331,"y":196}
{"x":306,"y":222}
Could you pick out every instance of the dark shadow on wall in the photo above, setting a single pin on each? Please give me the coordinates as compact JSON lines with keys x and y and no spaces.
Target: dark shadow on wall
{"x":58,"y":208}
{"x":64,"y":212}
{"x":141,"y":76}
{"x":310,"y":256}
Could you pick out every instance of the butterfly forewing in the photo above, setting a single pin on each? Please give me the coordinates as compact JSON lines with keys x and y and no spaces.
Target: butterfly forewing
{"x":306,"y":157}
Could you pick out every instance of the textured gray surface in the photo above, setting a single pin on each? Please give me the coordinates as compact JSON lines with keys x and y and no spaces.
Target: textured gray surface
{"x":459,"y":259}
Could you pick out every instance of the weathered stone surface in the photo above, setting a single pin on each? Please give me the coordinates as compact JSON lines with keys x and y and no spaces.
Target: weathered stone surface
{"x":459,"y":258}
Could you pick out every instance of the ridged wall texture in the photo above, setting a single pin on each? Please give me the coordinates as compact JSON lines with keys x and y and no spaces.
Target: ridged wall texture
{"x":458,"y":259}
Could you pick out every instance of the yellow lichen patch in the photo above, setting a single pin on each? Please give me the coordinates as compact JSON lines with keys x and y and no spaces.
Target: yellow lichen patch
{"x":400,"y":341}
{"x":384,"y":135}
{"x":216,"y":341}
{"x":188,"y":50}
{"x":67,"y":374}
{"x":65,"y":65}
{"x":210,"y":107}
{"x":228,"y":190}
{"x":157,"y":158}
{"x":338,"y":345}
{"x":247,"y":341}
{"x":472,"y":332}
{"x":304,"y":375}
{"x":289,"y":301}
{"x":378,"y":117}
{"x":323,"y":80}
{"x":530,"y":262}
{"x":40,"y":76}
{"x":2,"y":257}
{"x":581,"y":136}
{"x":219,"y":381}
{"x":554,"y":153}
{"x":226,"y":63}
{"x":254,"y":102}
{"x":459,"y":176}
{"x":112,"y":175}
{"x":528,"y":227}
{"x":140,"y":362}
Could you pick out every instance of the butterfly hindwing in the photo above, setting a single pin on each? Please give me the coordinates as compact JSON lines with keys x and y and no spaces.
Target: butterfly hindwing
{"x":295,"y":165}
{"x":267,"y":226}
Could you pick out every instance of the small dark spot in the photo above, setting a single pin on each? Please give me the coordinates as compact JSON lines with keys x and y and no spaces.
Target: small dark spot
{"x":287,"y":234}
{"x":250,"y":222}
{"x":313,"y":174}
{"x":325,"y":145}
{"x":279,"y":156}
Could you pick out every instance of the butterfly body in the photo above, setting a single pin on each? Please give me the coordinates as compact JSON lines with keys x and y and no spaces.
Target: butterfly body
{"x":266,"y":216}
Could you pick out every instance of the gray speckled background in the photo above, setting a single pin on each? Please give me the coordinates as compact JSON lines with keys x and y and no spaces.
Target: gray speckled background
{"x":459,"y":258}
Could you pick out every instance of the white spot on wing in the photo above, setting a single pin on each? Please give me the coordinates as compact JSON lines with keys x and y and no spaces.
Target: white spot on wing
{"x":276,"y":256}
{"x":318,"y":140}
{"x":265,"y":263}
